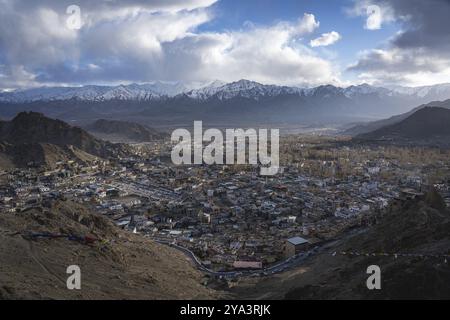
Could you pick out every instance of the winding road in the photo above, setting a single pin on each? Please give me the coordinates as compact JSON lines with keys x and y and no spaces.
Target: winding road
{"x":278,"y":268}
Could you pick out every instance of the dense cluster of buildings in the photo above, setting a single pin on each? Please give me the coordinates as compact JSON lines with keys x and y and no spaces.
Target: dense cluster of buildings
{"x":228,"y":216}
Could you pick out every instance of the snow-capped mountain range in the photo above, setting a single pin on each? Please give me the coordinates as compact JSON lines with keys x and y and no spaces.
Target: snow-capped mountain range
{"x":219,"y":90}
{"x":147,"y":91}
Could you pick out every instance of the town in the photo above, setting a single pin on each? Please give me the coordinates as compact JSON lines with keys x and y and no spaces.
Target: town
{"x":230,"y":217}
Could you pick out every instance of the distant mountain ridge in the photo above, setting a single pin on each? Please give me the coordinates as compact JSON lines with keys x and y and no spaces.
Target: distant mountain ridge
{"x":242,"y":102}
{"x":251,"y":101}
{"x":375,"y":125}
{"x":431,"y":124}
{"x":125,"y":130}
{"x":244,"y":88}
{"x":140,"y":92}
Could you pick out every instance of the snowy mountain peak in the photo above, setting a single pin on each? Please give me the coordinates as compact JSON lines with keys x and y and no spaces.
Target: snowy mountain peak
{"x":422,"y":91}
{"x":363,"y":89}
{"x":216,"y":83}
{"x":160,"y":90}
{"x":133,"y":91}
{"x":242,"y":88}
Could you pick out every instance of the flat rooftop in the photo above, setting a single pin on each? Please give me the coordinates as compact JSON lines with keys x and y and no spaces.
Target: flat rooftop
{"x":297,"y":240}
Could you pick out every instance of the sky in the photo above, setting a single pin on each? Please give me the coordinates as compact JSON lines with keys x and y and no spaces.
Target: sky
{"x":286,"y":42}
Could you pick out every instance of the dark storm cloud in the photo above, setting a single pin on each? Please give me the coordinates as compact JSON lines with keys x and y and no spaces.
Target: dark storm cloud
{"x":420,"y":49}
{"x":426,"y":24}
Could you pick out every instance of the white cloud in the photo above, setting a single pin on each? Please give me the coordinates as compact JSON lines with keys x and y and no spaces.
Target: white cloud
{"x":413,"y":67}
{"x":16,"y":76}
{"x":307,"y":24}
{"x":152,"y":40}
{"x":325,"y":39}
{"x":269,"y":54}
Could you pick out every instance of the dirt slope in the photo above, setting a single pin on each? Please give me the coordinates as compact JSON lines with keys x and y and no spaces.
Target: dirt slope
{"x":416,"y":227}
{"x":120,"y":266}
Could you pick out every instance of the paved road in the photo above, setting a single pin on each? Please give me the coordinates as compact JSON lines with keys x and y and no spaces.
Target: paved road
{"x":278,"y":268}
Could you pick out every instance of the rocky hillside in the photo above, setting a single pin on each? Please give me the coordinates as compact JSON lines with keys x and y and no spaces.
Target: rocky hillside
{"x":32,"y":127}
{"x":123,"y":131}
{"x":32,"y":137}
{"x":114,"y":264}
{"x":419,"y":228}
{"x":39,"y":154}
{"x":375,"y":125}
{"x":426,"y":124}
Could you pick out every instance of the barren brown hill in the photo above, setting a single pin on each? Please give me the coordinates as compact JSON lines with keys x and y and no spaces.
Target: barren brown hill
{"x":32,"y":137}
{"x":426,"y":123}
{"x":115,"y":130}
{"x":364,"y":128}
{"x":32,"y":127}
{"x":40,"y":154}
{"x":117,"y":265}
{"x":419,"y":228}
